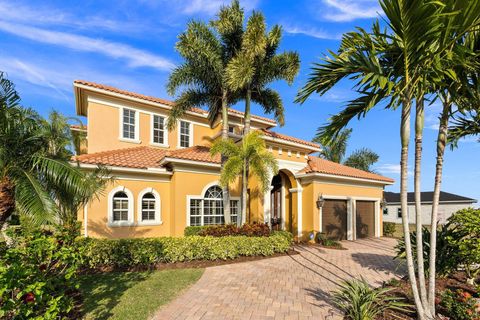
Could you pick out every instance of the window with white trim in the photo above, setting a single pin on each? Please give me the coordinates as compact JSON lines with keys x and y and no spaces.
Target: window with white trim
{"x":209,"y":209}
{"x":148,"y":207}
{"x":185,"y":134}
{"x":158,"y":129}
{"x":128,"y":123}
{"x":120,"y":207}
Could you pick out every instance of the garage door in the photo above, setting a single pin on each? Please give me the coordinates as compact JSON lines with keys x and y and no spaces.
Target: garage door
{"x":365,"y":223}
{"x":334,"y":219}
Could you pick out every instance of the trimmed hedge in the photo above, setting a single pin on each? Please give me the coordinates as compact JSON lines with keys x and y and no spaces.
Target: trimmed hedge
{"x":124,"y":253}
{"x":247,"y":229}
{"x":193,"y":230}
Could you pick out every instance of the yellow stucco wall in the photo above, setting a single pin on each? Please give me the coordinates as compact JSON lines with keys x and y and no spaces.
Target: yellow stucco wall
{"x":104,"y":128}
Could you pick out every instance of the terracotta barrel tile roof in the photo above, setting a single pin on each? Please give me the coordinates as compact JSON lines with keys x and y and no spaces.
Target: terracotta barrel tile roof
{"x":157,"y":100}
{"x":196,"y":153}
{"x":289,"y":138}
{"x":138,"y":157}
{"x":318,"y":165}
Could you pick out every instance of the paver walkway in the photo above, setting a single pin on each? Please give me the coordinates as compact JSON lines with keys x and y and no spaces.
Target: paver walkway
{"x":287,"y":287}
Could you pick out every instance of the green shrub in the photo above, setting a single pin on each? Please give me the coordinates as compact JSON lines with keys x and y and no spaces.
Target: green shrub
{"x":193,"y":230}
{"x":248,"y":229}
{"x":38,"y":277}
{"x":389,"y":229}
{"x":465,"y":239}
{"x":126,"y":253}
{"x":446,"y":257}
{"x":459,"y":305}
{"x":321,"y":238}
{"x":358,"y":301}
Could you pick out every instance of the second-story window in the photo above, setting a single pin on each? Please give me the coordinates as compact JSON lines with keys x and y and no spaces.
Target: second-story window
{"x":185,"y":134}
{"x":158,"y":129}
{"x":128,"y":131}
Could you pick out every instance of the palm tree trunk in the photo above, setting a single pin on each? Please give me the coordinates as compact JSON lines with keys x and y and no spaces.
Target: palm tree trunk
{"x":419,"y":124}
{"x":245,"y":174}
{"x":405,"y":139}
{"x":7,"y":200}
{"x":441,"y":142}
{"x":226,"y":192}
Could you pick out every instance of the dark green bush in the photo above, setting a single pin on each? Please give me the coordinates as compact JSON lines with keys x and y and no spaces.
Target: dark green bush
{"x":248,"y":229}
{"x":127,"y":253}
{"x":446,"y":258}
{"x":389,"y":229}
{"x":38,"y":276}
{"x":321,"y":238}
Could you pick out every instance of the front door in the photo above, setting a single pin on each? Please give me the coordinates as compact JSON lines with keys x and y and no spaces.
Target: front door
{"x":276,"y":203}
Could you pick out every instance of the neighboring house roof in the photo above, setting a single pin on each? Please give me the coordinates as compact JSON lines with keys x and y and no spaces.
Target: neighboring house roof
{"x":276,"y":135}
{"x":318,"y":165}
{"x":78,"y":127}
{"x":144,"y":157}
{"x":161,"y":101}
{"x":427,"y":197}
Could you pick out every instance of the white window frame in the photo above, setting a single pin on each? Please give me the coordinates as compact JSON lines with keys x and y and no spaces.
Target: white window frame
{"x":136,"y":129}
{"x":190,"y":138}
{"x":158,"y":208}
{"x":201,"y":197}
{"x":165,"y":131}
{"x":130,"y":220}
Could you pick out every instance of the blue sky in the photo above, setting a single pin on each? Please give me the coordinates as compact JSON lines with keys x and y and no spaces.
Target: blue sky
{"x":130,"y":44}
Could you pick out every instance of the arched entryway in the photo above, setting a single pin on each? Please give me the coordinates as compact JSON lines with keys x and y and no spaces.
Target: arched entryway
{"x":282,"y":199}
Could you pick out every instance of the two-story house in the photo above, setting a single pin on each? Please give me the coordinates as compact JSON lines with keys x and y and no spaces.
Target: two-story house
{"x":167,"y":180}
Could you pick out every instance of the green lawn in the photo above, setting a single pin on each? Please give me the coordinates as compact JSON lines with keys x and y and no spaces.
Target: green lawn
{"x":132,"y":295}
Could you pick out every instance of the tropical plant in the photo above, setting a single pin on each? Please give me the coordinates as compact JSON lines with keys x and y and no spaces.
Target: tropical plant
{"x":415,"y":56}
{"x":358,"y":301}
{"x":250,"y":151}
{"x":464,"y":125}
{"x":56,"y":130}
{"x":389,"y":229}
{"x":258,"y":64}
{"x":38,"y":276}
{"x":335,"y":149}
{"x":446,"y":255}
{"x":465,"y":238}
{"x":459,"y":305}
{"x":28,"y":173}
{"x":201,"y":79}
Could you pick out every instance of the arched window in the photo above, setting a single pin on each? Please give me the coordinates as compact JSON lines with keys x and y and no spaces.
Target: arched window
{"x":208,"y":208}
{"x":149,"y":207}
{"x":120,"y":207}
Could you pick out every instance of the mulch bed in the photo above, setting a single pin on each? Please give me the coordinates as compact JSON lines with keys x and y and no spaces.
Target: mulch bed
{"x":402,"y":289}
{"x":194,"y":264}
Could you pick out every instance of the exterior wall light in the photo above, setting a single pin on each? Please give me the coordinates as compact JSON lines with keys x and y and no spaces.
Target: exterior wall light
{"x":320,"y":201}
{"x":383,"y":203}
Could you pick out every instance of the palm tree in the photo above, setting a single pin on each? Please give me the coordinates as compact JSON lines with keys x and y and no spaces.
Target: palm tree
{"x":463,"y":126}
{"x":27,"y":172}
{"x":335,"y":149}
{"x":393,"y":66}
{"x":252,"y":151}
{"x":362,"y":159}
{"x":258,"y":64}
{"x":201,"y":79}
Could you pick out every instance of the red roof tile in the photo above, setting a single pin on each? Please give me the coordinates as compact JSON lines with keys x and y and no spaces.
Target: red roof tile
{"x":138,"y":157}
{"x":319,"y":165}
{"x":158,"y":100}
{"x":196,"y":153}
{"x":289,"y":138}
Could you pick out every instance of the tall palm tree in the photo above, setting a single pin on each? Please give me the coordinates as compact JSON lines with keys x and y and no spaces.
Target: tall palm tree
{"x":257,"y":64}
{"x":393,"y":66}
{"x":26,"y":169}
{"x":252,"y":151}
{"x":201,"y":79}
{"x":463,"y":126}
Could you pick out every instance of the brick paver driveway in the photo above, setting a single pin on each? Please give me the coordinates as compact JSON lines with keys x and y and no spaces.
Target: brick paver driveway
{"x":287,"y":287}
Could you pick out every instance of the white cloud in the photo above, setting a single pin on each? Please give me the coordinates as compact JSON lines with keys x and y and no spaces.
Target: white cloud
{"x":349,"y":10}
{"x":134,"y":57}
{"x":390,"y":168}
{"x":44,"y":15}
{"x":310,"y":31}
{"x":193,"y":7}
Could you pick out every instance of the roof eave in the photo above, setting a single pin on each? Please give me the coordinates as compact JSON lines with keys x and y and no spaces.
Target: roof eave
{"x":340,"y":177}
